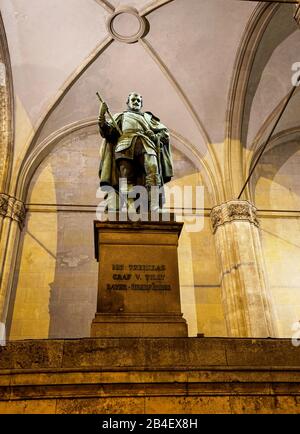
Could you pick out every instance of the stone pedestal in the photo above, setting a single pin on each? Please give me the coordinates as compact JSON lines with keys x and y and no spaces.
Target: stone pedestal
{"x":138,"y":290}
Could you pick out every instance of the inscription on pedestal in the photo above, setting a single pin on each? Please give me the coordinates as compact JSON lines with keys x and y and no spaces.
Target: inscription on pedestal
{"x":138,"y":277}
{"x":138,"y":286}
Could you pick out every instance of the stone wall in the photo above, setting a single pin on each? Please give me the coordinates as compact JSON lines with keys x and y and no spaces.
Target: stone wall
{"x":165,"y":375}
{"x":277,"y":197}
{"x":56,"y":276}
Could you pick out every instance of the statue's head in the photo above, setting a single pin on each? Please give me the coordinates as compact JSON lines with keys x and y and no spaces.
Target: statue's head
{"x":134,"y":102}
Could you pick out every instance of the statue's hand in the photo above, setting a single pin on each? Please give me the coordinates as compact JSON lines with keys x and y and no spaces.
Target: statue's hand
{"x":103,"y":109}
{"x":151,"y":135}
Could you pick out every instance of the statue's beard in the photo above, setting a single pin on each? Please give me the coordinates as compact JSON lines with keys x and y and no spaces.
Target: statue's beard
{"x":135,"y":108}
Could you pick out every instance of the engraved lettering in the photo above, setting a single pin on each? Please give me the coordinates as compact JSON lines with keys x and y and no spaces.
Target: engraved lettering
{"x":148,"y":277}
{"x":121,"y":276}
{"x":148,"y":267}
{"x":120,"y":287}
{"x":154,"y":277}
{"x":118,"y":267}
{"x":151,"y":286}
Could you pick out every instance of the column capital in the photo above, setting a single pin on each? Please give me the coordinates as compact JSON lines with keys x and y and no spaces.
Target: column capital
{"x":4,"y":199}
{"x":12,"y":208}
{"x":233,"y":210}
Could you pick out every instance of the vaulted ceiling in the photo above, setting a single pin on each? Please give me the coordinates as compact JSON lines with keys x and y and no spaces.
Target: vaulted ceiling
{"x":203,"y":66}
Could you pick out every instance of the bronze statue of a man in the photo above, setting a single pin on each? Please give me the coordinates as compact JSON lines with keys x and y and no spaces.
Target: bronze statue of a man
{"x":137,"y":148}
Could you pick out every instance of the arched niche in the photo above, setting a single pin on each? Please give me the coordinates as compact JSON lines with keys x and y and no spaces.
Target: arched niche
{"x":56,"y":276}
{"x":275,"y":183}
{"x":276,"y":193}
{"x":6,"y":112}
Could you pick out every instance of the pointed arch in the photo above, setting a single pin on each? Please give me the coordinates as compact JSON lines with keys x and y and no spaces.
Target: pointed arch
{"x":193,"y":113}
{"x":41,"y":151}
{"x":58,"y":98}
{"x":253,"y":35}
{"x":6,"y":112}
{"x":278,"y":139}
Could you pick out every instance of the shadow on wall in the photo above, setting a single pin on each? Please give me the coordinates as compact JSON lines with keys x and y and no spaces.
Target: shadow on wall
{"x":73,"y":292}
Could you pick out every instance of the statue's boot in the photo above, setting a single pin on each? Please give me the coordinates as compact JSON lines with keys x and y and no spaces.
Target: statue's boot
{"x":125,"y":190}
{"x":130,"y":200}
{"x":152,"y":185}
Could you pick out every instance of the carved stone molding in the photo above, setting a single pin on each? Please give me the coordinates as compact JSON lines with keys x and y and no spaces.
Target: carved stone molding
{"x":233,"y":211}
{"x":3,"y":121}
{"x":12,"y":208}
{"x":137,"y":22}
{"x":4,"y":199}
{"x":18,"y":212}
{"x":297,"y":14}
{"x":6,"y":111}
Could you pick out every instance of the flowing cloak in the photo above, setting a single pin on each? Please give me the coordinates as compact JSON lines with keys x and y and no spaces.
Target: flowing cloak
{"x":108,"y":170}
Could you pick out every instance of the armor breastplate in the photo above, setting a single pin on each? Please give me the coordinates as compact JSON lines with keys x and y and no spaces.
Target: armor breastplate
{"x":133,"y":126}
{"x":133,"y":122}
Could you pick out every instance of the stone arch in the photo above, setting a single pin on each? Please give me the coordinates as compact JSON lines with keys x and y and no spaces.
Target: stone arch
{"x":290,"y":139}
{"x":6,"y":112}
{"x":38,"y":154}
{"x":53,"y":239}
{"x":241,"y":96}
{"x":275,"y":191}
{"x":280,"y":132}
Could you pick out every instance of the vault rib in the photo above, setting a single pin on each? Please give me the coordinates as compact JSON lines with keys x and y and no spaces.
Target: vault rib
{"x":58,"y":98}
{"x":148,"y":48}
{"x":153,"y":6}
{"x":106,"y":5}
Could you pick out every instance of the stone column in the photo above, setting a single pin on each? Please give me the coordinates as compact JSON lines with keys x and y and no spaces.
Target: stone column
{"x":246,"y":299}
{"x":4,"y":124}
{"x":12,"y":213}
{"x":4,"y":199}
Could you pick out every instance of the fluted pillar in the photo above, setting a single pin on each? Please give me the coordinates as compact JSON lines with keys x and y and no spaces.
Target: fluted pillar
{"x":12,"y":214}
{"x":4,"y":199}
{"x":246,"y":298}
